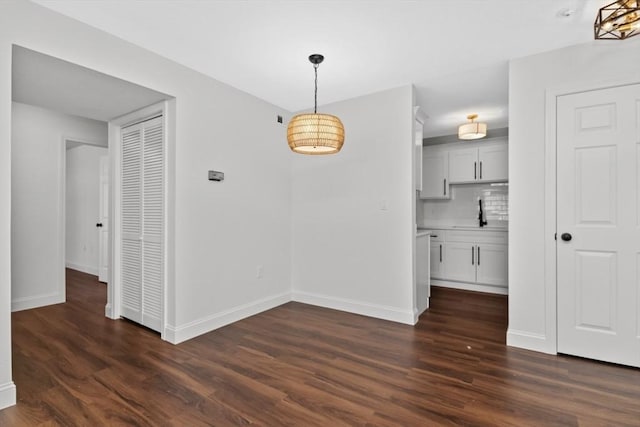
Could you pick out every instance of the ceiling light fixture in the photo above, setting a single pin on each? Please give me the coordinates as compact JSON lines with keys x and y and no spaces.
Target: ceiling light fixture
{"x":618,"y":20}
{"x":315,"y":133}
{"x":472,"y":130}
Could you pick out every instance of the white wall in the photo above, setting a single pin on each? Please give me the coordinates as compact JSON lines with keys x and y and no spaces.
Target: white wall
{"x":37,"y":156}
{"x":532,"y":304}
{"x":353,"y":212}
{"x":82,"y":211}
{"x":221,"y":231}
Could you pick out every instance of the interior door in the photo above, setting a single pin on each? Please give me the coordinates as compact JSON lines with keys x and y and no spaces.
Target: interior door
{"x":598,"y":248}
{"x":103,"y":221}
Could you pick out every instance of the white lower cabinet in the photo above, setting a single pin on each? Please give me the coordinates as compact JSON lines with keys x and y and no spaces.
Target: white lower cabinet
{"x":466,"y":259}
{"x":436,"y":259}
{"x":460,"y":261}
{"x":491,"y":264}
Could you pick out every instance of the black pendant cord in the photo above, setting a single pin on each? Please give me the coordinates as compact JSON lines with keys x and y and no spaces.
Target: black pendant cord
{"x":315,"y":94}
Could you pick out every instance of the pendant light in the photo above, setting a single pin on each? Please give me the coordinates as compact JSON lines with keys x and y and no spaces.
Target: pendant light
{"x":473,"y":129}
{"x":618,"y":20}
{"x":315,"y":133}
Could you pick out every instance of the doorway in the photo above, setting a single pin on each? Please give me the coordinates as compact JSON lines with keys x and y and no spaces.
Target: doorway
{"x":67,"y":92}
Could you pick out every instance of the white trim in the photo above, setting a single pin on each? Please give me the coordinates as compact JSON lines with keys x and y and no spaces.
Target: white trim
{"x":550,"y":334}
{"x":394,"y":314}
{"x":499,"y":290}
{"x":530,"y":341}
{"x":36,"y":301}
{"x":7,"y":395}
{"x":178,"y":334}
{"x":82,"y":268}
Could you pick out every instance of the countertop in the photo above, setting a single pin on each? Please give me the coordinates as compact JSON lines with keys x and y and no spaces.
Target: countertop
{"x":423,"y":232}
{"x":462,"y":228}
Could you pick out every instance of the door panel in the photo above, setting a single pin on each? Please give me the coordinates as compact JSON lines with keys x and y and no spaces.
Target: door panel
{"x":463,"y":165}
{"x":460,"y":261}
{"x":597,"y":179}
{"x":596,"y":185}
{"x":436,"y":258}
{"x":492,"y":264}
{"x":435,"y":174}
{"x":493,"y":163}
{"x":103,"y":231}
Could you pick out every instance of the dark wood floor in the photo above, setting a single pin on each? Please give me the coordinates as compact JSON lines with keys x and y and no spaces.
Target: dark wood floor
{"x":300,"y":365}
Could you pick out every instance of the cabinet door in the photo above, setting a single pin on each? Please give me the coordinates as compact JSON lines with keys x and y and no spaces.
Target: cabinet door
{"x":435,"y":173}
{"x":422,"y":260}
{"x":460,"y":261}
{"x":463,"y":165}
{"x":493,"y":163}
{"x":437,"y":260}
{"x":492,"y":264}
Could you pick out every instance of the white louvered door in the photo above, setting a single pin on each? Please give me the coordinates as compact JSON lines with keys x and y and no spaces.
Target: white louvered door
{"x":142,"y":222}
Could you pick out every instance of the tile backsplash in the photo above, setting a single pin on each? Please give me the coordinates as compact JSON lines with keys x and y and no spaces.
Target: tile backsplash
{"x":462,"y":208}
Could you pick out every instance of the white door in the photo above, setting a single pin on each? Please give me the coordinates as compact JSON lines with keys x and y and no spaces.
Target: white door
{"x":143,"y":222}
{"x":103,"y":221}
{"x":463,"y":165}
{"x":491,"y":262}
{"x":493,"y":161}
{"x":598,"y":247}
{"x":460,"y":261}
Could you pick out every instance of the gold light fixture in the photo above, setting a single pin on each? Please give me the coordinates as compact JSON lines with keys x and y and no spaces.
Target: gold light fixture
{"x":618,"y":20}
{"x":473,"y":129}
{"x":315,"y":133}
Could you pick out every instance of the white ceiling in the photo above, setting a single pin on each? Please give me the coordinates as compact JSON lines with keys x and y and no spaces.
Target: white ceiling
{"x":52,"y":83}
{"x":454,"y":51}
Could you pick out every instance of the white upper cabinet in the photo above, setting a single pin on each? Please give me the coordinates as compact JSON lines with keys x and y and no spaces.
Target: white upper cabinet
{"x":435,"y":174}
{"x":484,"y":162}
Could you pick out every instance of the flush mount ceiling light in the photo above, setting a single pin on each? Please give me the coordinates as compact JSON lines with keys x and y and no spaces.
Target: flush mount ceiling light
{"x":618,"y":20}
{"x":315,"y":133}
{"x":472,"y":130}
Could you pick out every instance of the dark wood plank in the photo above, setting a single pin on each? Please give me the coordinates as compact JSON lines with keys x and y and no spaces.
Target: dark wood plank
{"x":300,"y":365}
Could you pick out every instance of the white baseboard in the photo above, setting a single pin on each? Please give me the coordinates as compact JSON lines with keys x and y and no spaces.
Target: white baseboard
{"x":36,"y":301}
{"x":530,"y":341}
{"x":470,"y":287}
{"x":83,"y":268}
{"x":393,"y":314}
{"x":7,"y":395}
{"x":181,"y":333}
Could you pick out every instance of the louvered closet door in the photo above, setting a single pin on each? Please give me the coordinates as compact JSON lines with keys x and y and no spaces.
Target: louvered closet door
{"x":142,"y":222}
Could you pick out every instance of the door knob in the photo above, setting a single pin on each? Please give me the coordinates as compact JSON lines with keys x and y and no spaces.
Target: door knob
{"x":99,"y":224}
{"x":566,"y":237}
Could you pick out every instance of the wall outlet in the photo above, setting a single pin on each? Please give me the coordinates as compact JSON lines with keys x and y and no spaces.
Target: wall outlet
{"x":259,"y":271}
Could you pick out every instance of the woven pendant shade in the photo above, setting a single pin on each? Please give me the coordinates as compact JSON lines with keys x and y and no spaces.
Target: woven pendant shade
{"x":315,"y":134}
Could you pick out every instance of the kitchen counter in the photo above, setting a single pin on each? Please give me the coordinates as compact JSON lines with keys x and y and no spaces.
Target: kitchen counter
{"x":423,"y":232}
{"x":463,"y":228}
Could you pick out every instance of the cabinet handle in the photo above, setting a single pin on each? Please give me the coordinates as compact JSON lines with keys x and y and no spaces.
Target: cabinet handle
{"x":440,"y":253}
{"x":480,"y":170}
{"x":478,"y":255}
{"x":434,"y":235}
{"x":472,"y":256}
{"x":444,"y":187}
{"x":475,"y":168}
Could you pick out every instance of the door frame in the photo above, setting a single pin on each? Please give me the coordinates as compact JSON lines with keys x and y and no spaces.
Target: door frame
{"x":113,"y":308}
{"x":62,"y":208}
{"x":550,"y":337}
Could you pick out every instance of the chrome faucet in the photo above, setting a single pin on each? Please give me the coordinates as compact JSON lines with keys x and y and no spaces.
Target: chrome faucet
{"x":481,"y":221}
